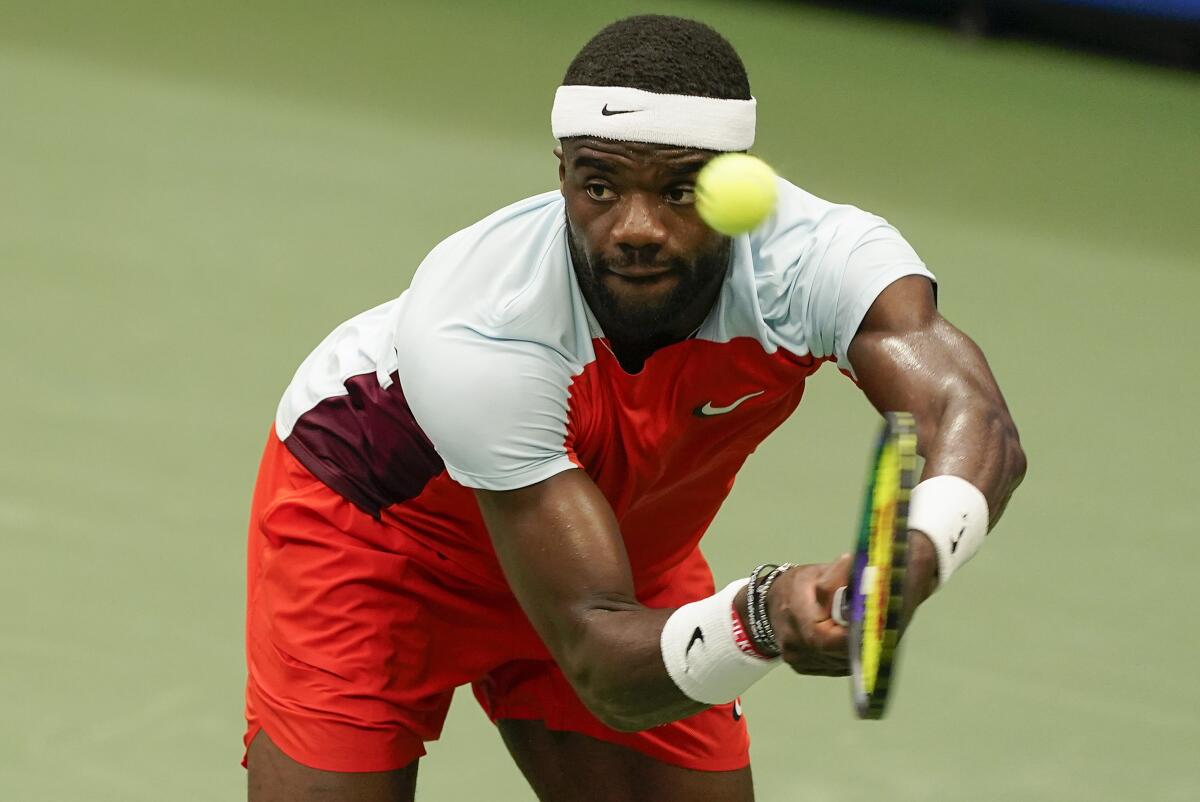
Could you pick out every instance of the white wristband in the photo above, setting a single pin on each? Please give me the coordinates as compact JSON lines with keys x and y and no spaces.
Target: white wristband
{"x":954,"y":514}
{"x":701,"y":655}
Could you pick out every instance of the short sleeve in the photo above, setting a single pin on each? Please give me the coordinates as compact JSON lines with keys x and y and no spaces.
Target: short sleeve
{"x":495,"y":410}
{"x":845,"y":279}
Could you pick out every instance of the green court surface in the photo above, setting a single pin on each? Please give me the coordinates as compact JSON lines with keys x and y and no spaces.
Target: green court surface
{"x":192,"y":195}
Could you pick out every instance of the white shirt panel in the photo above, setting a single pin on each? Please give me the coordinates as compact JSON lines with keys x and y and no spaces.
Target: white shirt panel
{"x":488,"y":346}
{"x":819,"y":267}
{"x":363,"y":344}
{"x":495,"y":410}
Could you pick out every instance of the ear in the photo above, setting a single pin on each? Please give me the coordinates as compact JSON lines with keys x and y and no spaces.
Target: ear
{"x":562,"y":165}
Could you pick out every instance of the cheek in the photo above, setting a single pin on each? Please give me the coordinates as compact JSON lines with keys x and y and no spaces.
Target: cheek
{"x":590,"y":230}
{"x":697,"y":239}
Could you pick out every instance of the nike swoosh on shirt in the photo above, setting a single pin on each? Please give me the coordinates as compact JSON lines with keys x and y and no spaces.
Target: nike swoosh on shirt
{"x":707,"y":410}
{"x":604,"y":111}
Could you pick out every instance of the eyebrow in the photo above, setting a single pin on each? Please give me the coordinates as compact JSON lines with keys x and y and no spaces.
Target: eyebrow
{"x":679,"y":168}
{"x":686,"y":168}
{"x":596,"y":164}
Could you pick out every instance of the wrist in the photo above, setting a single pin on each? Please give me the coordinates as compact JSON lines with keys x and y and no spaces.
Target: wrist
{"x":741,"y":626}
{"x":920,"y":574}
{"x":922,"y":568}
{"x":700,"y":651}
{"x":953,"y":513}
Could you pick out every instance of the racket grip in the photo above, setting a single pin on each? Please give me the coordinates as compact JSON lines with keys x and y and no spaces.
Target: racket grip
{"x":839,"y":611}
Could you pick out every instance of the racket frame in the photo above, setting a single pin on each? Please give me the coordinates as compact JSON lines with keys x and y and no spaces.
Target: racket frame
{"x":898,"y":436}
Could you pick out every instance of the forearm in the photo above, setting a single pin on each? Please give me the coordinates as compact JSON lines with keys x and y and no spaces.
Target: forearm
{"x":563,"y":556}
{"x":634,"y":667}
{"x":971,"y":435}
{"x":713,"y":649}
{"x":964,"y":428}
{"x":615,"y":665}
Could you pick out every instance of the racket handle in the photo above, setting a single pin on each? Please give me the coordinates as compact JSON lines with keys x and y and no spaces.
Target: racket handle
{"x":839,"y":611}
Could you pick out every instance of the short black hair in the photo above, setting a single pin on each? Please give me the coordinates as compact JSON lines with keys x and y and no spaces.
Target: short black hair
{"x":656,"y":53}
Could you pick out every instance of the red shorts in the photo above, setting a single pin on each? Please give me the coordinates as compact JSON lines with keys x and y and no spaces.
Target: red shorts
{"x":357,"y":636}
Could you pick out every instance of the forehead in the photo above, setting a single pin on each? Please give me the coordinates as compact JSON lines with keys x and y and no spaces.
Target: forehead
{"x":587,"y":151}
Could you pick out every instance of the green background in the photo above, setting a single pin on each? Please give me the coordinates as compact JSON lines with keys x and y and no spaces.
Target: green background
{"x":192,"y":195}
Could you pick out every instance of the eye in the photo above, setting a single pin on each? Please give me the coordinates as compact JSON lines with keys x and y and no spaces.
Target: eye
{"x":683,"y":194}
{"x":599,"y":192}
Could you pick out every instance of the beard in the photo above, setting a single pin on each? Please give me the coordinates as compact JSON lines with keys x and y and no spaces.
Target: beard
{"x":646,"y":317}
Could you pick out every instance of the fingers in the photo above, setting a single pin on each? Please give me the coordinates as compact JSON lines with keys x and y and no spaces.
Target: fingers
{"x":812,"y":642}
{"x":836,"y":575}
{"x":817,"y":627}
{"x":825,"y":672}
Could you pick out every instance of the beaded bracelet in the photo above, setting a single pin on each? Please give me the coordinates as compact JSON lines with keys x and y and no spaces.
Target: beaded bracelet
{"x":757,"y":636}
{"x":760,"y":612}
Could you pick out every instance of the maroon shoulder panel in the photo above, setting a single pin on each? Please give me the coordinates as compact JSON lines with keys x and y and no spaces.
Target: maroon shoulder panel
{"x":366,"y":445}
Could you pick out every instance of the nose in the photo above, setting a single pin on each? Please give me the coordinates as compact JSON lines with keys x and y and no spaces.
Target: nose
{"x":638,"y":228}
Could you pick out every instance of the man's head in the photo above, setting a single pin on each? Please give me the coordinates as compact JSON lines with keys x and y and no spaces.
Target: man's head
{"x":628,"y":162}
{"x":667,"y":55}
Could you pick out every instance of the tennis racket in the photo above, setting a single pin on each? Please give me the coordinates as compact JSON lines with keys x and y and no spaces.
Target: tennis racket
{"x":872,"y":604}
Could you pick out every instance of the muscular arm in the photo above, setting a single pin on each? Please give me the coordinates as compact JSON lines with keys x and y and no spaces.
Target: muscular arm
{"x":908,"y":357}
{"x":561,"y":550}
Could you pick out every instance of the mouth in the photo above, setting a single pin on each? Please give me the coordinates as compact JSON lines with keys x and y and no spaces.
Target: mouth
{"x":638,"y":273}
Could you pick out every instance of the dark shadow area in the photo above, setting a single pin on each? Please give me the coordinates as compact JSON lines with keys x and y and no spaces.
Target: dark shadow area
{"x":1141,"y":35}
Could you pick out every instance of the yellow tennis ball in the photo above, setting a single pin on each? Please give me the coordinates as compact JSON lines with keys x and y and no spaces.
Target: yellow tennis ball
{"x":735,"y":193}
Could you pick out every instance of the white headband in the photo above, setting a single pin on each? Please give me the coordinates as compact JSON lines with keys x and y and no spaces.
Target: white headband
{"x":634,"y":115}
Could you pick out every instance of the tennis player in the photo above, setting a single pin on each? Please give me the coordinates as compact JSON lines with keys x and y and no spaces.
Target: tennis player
{"x":502,"y":476}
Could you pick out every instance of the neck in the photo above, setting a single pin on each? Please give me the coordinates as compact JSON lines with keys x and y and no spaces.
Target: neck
{"x":632,"y":349}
